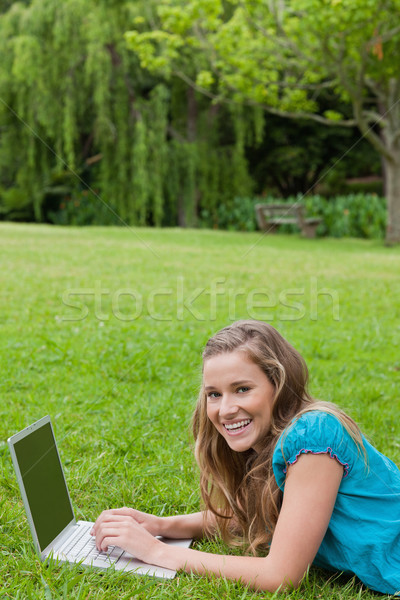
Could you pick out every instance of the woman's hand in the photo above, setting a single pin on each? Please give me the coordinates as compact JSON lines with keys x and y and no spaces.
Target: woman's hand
{"x":151,"y":523}
{"x":129,"y":529}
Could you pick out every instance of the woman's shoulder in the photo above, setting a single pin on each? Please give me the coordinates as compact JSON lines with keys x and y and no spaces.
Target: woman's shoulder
{"x":314,"y":426}
{"x":315,"y":432}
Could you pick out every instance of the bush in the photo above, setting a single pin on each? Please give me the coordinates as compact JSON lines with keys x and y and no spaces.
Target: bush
{"x":15,"y":205}
{"x":82,"y":208}
{"x":352,"y":215}
{"x":237,"y":215}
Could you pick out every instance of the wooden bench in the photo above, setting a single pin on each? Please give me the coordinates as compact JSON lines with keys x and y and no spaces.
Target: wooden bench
{"x":271,"y":216}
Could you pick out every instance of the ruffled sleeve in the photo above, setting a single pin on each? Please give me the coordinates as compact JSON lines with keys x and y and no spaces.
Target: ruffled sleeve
{"x":314,"y":432}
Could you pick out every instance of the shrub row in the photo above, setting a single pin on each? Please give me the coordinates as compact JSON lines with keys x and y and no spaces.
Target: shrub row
{"x":353,"y":215}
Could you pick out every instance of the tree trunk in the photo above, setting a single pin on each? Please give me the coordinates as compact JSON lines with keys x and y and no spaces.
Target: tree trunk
{"x":191,"y":115}
{"x":390,"y":136}
{"x":392,"y":193}
{"x":181,"y":211}
{"x":191,"y":204}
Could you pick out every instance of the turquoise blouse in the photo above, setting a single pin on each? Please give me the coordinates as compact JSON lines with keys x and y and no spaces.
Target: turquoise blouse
{"x":363,"y":536}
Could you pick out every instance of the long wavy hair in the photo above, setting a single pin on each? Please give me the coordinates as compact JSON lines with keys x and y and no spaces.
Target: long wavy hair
{"x":239,"y":488}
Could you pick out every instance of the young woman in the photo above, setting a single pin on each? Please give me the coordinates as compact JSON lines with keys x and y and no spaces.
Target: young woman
{"x":289,"y":477}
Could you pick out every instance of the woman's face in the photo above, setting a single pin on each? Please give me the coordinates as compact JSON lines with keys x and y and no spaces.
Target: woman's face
{"x":239,"y":399}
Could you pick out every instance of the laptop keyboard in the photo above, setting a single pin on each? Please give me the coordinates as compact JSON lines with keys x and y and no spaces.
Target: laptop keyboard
{"x":83,"y":546}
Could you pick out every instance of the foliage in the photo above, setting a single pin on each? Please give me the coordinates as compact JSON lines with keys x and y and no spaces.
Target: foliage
{"x":83,"y":208}
{"x":75,"y":99}
{"x":120,"y":381}
{"x":255,"y":51}
{"x":351,"y":215}
{"x":302,"y":156}
{"x":286,"y":56}
{"x":237,"y":215}
{"x":15,"y":205}
{"x":151,"y":149}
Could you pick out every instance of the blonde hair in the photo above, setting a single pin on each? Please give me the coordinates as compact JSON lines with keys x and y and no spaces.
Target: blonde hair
{"x":239,"y":488}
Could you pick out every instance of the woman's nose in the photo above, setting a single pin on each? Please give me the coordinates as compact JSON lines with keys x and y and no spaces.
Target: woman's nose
{"x":228,"y":407}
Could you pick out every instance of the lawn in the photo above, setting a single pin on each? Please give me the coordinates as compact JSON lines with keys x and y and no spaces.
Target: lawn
{"x":103,"y":329}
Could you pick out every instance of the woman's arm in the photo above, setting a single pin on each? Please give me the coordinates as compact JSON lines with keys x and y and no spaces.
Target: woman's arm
{"x":196,"y":525}
{"x":311,"y":488}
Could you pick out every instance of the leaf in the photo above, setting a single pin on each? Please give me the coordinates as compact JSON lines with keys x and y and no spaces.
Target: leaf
{"x":205,"y":79}
{"x":333,"y":115}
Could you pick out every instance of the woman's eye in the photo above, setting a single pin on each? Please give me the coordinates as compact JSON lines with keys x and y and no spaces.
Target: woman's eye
{"x":243,"y":389}
{"x":213,"y":395}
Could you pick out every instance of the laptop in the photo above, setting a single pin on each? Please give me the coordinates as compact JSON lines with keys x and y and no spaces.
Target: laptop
{"x":55,"y":531}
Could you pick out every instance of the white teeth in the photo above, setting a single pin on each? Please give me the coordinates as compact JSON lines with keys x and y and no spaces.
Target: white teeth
{"x":237,"y":425}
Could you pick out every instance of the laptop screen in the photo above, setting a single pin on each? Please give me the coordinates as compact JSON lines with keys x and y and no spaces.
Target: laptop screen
{"x":44,"y":483}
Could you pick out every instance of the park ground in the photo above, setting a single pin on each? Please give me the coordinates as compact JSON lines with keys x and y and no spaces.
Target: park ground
{"x":103,"y":328}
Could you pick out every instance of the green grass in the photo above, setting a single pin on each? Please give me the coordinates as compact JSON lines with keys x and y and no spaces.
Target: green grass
{"x":103,"y":329}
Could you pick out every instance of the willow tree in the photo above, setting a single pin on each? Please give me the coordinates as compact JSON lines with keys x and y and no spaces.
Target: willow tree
{"x":207,"y":163}
{"x":282,"y":54}
{"x":71,"y":91}
{"x":77,"y":108}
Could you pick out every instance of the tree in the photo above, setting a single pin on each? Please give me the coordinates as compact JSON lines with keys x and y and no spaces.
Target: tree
{"x":304,"y":157}
{"x":282,"y":55}
{"x":76,"y":108}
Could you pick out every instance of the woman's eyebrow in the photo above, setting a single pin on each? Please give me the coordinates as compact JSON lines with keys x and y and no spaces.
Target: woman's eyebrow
{"x":233,"y":384}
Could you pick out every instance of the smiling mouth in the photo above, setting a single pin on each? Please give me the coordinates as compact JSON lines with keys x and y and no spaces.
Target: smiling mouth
{"x":237,"y":427}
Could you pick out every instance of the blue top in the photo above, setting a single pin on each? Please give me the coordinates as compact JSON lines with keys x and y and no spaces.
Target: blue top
{"x":363,"y":535}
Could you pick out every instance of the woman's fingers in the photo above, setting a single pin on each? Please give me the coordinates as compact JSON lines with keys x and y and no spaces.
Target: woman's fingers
{"x":109,"y":536}
{"x":129,"y":529}
{"x":125,"y":532}
{"x":150,"y":522}
{"x":112,"y":529}
{"x":106,"y":515}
